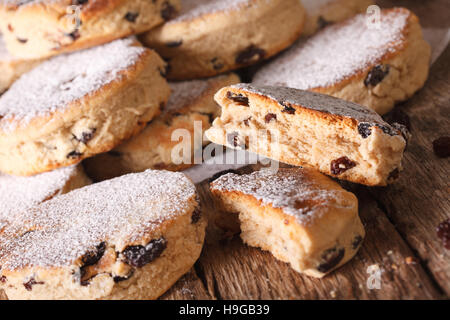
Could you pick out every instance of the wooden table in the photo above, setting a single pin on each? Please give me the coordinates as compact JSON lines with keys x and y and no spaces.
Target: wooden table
{"x":400,"y":221}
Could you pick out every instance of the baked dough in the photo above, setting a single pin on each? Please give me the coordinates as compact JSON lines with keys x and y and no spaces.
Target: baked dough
{"x":299,"y":215}
{"x":75,"y":106}
{"x":190,"y":101}
{"x":210,"y":37}
{"x":373,"y":67}
{"x":303,"y":128}
{"x":128,"y":238}
{"x":37,"y":29}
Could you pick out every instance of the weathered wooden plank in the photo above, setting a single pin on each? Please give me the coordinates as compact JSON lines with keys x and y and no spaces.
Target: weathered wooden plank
{"x":421,"y":198}
{"x":232,"y":270}
{"x":189,"y":287}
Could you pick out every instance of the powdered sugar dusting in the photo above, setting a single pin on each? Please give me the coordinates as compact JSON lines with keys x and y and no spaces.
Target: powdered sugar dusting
{"x":20,"y":193}
{"x":116,"y":211}
{"x":315,"y":101}
{"x":55,"y":83}
{"x":296,"y":191}
{"x":191,"y":9}
{"x":337,"y":52}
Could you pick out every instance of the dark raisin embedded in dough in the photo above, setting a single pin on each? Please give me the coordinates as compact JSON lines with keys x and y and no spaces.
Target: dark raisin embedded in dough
{"x":322,"y":23}
{"x":139,"y":256}
{"x":441,"y":147}
{"x":246,"y":122}
{"x":331,"y":258}
{"x":92,"y":257}
{"x":30,"y":283}
{"x":288,"y":109}
{"x":22,"y":40}
{"x":73,"y":155}
{"x":233,"y":139}
{"x":74,"y":35}
{"x":364,"y":129}
{"x":131,"y":16}
{"x":3,"y":279}
{"x":239,"y":98}
{"x":376,"y":75}
{"x":217,"y":64}
{"x":250,"y":54}
{"x":196,"y":215}
{"x":269,"y":117}
{"x":118,"y":279}
{"x":443,"y":233}
{"x":174,"y":44}
{"x":79,"y":2}
{"x":394,"y":175}
{"x":341,"y":165}
{"x":86,"y":136}
{"x":356,"y":242}
{"x":168,"y":11}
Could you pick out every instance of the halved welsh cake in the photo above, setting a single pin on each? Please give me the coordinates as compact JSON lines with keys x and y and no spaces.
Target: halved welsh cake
{"x":339,"y":138}
{"x":301,"y":216}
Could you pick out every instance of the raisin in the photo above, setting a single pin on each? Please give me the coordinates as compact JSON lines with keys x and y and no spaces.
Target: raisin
{"x":250,"y":54}
{"x":341,"y":165}
{"x":131,"y":16}
{"x":118,"y":279}
{"x":174,"y":44}
{"x":364,"y":129}
{"x":331,"y":258}
{"x":217,"y":65}
{"x":269,"y":117}
{"x":168,"y":11}
{"x":92,"y":257}
{"x":356,"y":242}
{"x":10,"y":28}
{"x":3,"y":279}
{"x":30,"y":283}
{"x":322,"y":23}
{"x":233,"y":139}
{"x":288,"y":109}
{"x":394,"y":175}
{"x":73,"y":155}
{"x":441,"y":147}
{"x":74,"y":35}
{"x":376,"y":75}
{"x":79,"y":2}
{"x":443,"y":233}
{"x":239,"y":98}
{"x":196,"y":215}
{"x":86,"y":136}
{"x":246,"y":122}
{"x":22,"y":40}
{"x":139,"y":256}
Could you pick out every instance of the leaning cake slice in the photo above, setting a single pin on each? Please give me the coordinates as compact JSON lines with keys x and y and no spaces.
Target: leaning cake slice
{"x":126,"y":238}
{"x":339,"y":138}
{"x":301,"y":216}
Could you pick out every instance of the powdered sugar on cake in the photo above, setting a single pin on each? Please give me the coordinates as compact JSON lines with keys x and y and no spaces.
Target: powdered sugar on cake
{"x":117,"y":211}
{"x":191,"y":9}
{"x":287,"y":189}
{"x":336,"y":53}
{"x":20,"y":193}
{"x":61,"y":80}
{"x":315,"y":101}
